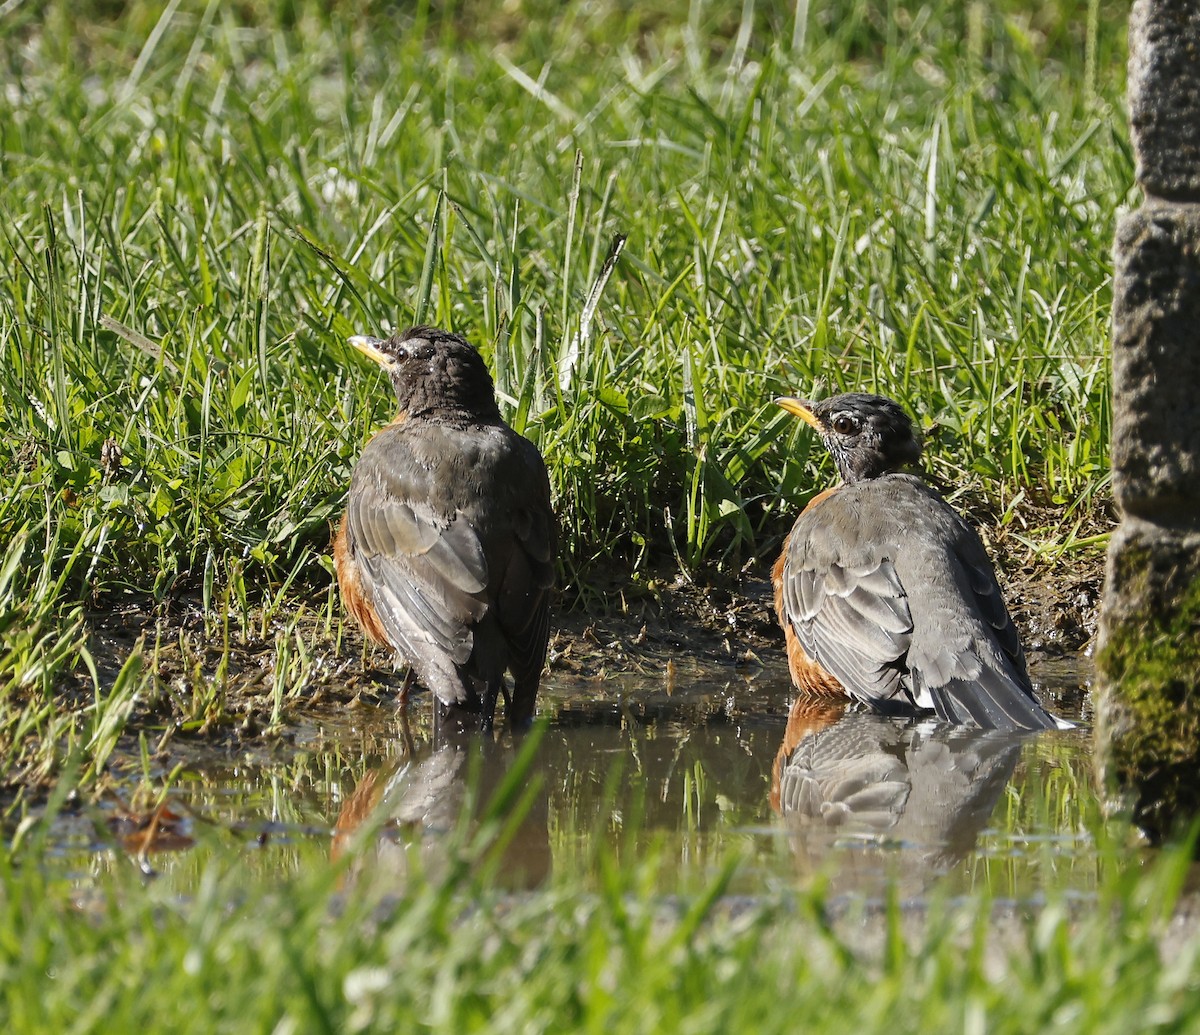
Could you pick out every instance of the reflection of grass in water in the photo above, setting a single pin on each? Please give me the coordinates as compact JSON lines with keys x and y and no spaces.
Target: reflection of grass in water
{"x":690,"y":799}
{"x":217,"y":944}
{"x":684,"y":796}
{"x":1048,"y":831}
{"x":1042,"y":833}
{"x":201,"y":202}
{"x":678,"y":797}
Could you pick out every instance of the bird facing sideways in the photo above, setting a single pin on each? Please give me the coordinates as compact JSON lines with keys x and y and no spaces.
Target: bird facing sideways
{"x":885,"y":594}
{"x":446,"y":550}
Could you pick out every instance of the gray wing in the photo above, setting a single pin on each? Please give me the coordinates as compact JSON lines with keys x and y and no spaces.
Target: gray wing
{"x":425,"y":567}
{"x":526,"y":578}
{"x":455,"y":534}
{"x":971,"y":670}
{"x":981,"y":581}
{"x":847,"y":607}
{"x":893,"y":593}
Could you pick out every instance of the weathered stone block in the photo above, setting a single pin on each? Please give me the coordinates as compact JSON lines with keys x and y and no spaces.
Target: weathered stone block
{"x":1156,"y":361}
{"x":1148,"y":662}
{"x":1164,"y":96}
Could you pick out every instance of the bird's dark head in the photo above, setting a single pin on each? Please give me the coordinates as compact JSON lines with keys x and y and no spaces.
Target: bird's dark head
{"x":867,"y":435}
{"x":433,"y":371}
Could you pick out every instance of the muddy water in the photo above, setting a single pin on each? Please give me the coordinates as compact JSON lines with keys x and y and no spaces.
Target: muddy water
{"x":683,"y":770}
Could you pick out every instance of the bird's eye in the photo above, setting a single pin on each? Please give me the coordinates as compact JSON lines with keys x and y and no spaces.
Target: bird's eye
{"x":844,"y":424}
{"x":401,"y":355}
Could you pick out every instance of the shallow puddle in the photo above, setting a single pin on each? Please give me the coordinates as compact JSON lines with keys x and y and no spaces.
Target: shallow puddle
{"x":684,"y":770}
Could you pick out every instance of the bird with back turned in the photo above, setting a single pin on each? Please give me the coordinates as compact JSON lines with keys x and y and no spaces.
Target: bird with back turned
{"x":885,"y":594}
{"x":446,"y":551}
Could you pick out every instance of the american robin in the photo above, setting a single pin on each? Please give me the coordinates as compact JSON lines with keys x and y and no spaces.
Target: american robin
{"x":914,"y":783}
{"x":446,"y":551}
{"x":421,"y":802}
{"x":885,"y":594}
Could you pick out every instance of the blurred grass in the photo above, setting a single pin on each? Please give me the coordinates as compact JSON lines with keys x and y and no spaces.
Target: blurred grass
{"x":219,"y":942}
{"x":651,"y":221}
{"x":201,"y":205}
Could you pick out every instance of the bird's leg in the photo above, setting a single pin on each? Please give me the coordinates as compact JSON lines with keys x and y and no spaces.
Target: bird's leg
{"x":410,"y":677}
{"x":406,"y":737}
{"x":490,"y":695}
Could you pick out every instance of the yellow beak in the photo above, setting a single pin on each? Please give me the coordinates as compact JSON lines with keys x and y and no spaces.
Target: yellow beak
{"x":800,"y":408}
{"x":369,"y":347}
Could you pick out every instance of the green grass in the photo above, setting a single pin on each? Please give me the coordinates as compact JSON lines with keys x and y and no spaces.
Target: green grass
{"x":221,"y":941}
{"x":201,"y":206}
{"x":652,"y":224}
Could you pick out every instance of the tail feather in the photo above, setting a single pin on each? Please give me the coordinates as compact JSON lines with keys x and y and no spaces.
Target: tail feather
{"x":993,"y":701}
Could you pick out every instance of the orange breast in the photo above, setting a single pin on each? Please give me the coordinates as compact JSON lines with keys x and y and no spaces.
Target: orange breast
{"x":807,"y":675}
{"x":354,"y":596}
{"x":806,"y":718}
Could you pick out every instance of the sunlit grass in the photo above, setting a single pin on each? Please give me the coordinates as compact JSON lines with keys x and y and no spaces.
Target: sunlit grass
{"x":652,"y":221}
{"x":223,"y":938}
{"x":651,"y":224}
{"x":189,"y":242}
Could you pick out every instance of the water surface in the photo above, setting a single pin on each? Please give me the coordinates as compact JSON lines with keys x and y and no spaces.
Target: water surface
{"x":682,"y":769}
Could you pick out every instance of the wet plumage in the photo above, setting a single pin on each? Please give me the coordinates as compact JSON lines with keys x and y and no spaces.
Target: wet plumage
{"x":886,"y":594}
{"x":446,"y":551}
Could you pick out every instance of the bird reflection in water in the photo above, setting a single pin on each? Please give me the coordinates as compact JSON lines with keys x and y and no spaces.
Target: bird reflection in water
{"x":426,"y":808}
{"x":868,"y":797}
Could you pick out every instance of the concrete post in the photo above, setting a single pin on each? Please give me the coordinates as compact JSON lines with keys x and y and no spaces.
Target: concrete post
{"x":1148,"y":697}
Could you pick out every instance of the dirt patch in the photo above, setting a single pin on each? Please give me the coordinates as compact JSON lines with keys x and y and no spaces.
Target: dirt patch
{"x":1057,"y":611}
{"x":213,"y":688}
{"x":721,"y":621}
{"x":732,"y":620}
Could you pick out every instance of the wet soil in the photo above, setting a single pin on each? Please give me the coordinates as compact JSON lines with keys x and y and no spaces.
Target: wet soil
{"x":732,"y":621}
{"x":671,"y":625}
{"x":680,"y":689}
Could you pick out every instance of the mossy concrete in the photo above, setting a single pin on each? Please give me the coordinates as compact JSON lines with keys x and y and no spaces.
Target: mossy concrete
{"x":1148,"y":701}
{"x":1164,"y":96}
{"x":1148,"y":708}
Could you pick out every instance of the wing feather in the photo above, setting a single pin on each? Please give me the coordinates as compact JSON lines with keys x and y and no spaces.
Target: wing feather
{"x":893,"y":593}
{"x":853,"y":619}
{"x":426,"y":571}
{"x":460,"y":568}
